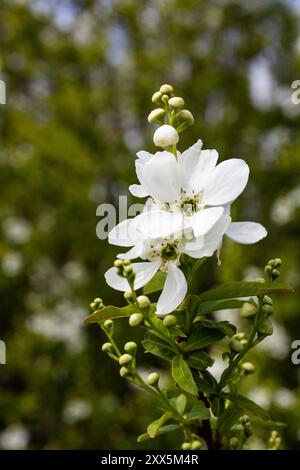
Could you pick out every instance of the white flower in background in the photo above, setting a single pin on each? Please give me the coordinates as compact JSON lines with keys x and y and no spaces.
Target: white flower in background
{"x":159,"y":238}
{"x":165,"y":136}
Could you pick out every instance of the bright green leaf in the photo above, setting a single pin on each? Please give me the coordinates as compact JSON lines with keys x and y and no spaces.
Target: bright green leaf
{"x":202,"y":337}
{"x":180,"y":403}
{"x":199,"y":411}
{"x":109,"y":312}
{"x":163,"y":430}
{"x":249,"y":405}
{"x":155,"y":426}
{"x":199,"y":360}
{"x":215,"y":305}
{"x":158,"y":347}
{"x":224,"y":326}
{"x":182,"y":375}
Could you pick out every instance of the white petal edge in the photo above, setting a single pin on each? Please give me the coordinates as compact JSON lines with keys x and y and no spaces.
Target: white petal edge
{"x":226,"y":183}
{"x":159,"y":224}
{"x":124,"y":234}
{"x":137,"y":190}
{"x":246,"y":232}
{"x":213,"y":239}
{"x":202,"y":221}
{"x":174,"y":290}
{"x":134,"y":252}
{"x":143,"y":273}
{"x":160,"y":177}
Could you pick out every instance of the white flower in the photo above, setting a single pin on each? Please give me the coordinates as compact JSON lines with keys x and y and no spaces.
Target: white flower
{"x":160,"y":238}
{"x":165,"y":136}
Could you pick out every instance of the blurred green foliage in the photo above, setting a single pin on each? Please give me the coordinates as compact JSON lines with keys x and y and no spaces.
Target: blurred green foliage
{"x":79,"y":77}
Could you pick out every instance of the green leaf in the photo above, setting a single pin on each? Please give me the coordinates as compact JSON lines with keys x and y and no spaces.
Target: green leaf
{"x":229,"y":418}
{"x":203,"y":384}
{"x":199,"y":411}
{"x":155,"y":426}
{"x":158,"y":328}
{"x":202,"y":337}
{"x":249,"y":405}
{"x":182,"y":375}
{"x":156,"y":284}
{"x":199,"y":360}
{"x":163,"y":430}
{"x":109,"y":312}
{"x":158,"y":347}
{"x":243,"y":289}
{"x":224,"y":326}
{"x":217,"y":405}
{"x":215,"y":305}
{"x":180,"y":403}
{"x":268,"y":424}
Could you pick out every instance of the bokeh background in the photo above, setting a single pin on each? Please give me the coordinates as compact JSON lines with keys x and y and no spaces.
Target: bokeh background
{"x":79,"y":77}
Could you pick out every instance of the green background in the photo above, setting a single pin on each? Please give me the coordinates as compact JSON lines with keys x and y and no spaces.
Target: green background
{"x":79,"y":77}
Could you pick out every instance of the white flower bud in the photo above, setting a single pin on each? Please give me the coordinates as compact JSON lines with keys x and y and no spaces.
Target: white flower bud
{"x":157,"y":115}
{"x":166,"y":89}
{"x":165,"y":136}
{"x":153,"y":378}
{"x":143,"y":301}
{"x":107,"y":347}
{"x":130,"y":347}
{"x":124,"y":372}
{"x":125,"y":359}
{"x":156,"y":97}
{"x":136,"y":319}
{"x":176,"y":102}
{"x":170,"y":320}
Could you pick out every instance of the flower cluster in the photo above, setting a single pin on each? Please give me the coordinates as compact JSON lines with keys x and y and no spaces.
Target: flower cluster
{"x":187,"y":210}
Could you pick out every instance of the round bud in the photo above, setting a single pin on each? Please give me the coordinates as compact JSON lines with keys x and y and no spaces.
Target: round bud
{"x":166,"y":89}
{"x":124,"y":372}
{"x":156,"y":97}
{"x":169,"y":320}
{"x":128,"y":269}
{"x":157,"y":115}
{"x":260,"y":279}
{"x":176,"y":102}
{"x":267,"y":309}
{"x":277,"y":262}
{"x":266,"y":327}
{"x":234,"y":442}
{"x":125,"y":359}
{"x":267,"y":300}
{"x":235,"y":345}
{"x":186,"y":446}
{"x":165,"y":136}
{"x":271,"y":262}
{"x":126,"y":262}
{"x":107,"y":347}
{"x":97,"y":300}
{"x":239,"y":336}
{"x":244,"y":419}
{"x":130,"y":347}
{"x":196,"y":445}
{"x":165,"y":99}
{"x":93,"y":306}
{"x":136,"y":319}
{"x":186,"y":117}
{"x":143,"y":301}
{"x":243,"y":341}
{"x":153,"y":378}
{"x":118,"y":263}
{"x":248,"y":310}
{"x":268,"y":269}
{"x":108,"y":324}
{"x":128,"y":296}
{"x":275,"y":273}
{"x":248,"y":367}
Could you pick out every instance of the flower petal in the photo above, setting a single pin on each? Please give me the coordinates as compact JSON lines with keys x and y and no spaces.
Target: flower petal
{"x":143,"y":273}
{"x":227,"y":181}
{"x":138,"y":190}
{"x":124,"y":234}
{"x":159,"y":224}
{"x":212,"y":239}
{"x":246,"y":232}
{"x":134,"y":252}
{"x":196,"y":167}
{"x":202,"y":221}
{"x":174,"y":290}
{"x":160,"y":177}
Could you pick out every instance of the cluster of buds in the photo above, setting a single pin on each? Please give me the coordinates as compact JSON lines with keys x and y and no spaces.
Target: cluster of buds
{"x":237,"y":342}
{"x":274,"y":441}
{"x":195,"y":444}
{"x":264,"y":326}
{"x":170,"y":115}
{"x":272,"y":269}
{"x":143,"y":303}
{"x":124,"y":269}
{"x":97,"y":304}
{"x":127,"y":360}
{"x":242,"y":430}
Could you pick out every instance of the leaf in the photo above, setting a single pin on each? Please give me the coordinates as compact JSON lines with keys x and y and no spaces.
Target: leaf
{"x":249,"y":405}
{"x":158,"y":347}
{"x":155,"y":426}
{"x":215,"y":305}
{"x":156,"y":284}
{"x":199,"y":411}
{"x":217,"y":405}
{"x":243,"y":289}
{"x":199,"y":360}
{"x":180,"y":403}
{"x":203,"y":384}
{"x":202,"y":337}
{"x":182,"y":375}
{"x":229,"y":418}
{"x":109,"y":312}
{"x":269,"y":424}
{"x":227,"y":328}
{"x":163,"y":430}
{"x":158,"y":328}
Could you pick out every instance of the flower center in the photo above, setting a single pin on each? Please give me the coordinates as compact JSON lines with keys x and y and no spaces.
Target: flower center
{"x":162,"y":249}
{"x":190,"y":203}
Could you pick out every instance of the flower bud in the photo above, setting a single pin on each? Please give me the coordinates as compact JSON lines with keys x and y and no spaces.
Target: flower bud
{"x":118,"y":263}
{"x":277,"y":263}
{"x":267,"y":309}
{"x":176,"y":102}
{"x":239,"y":336}
{"x":186,"y":446}
{"x":126,"y":262}
{"x":234,"y":442}
{"x":169,"y":320}
{"x":128,"y":296}
{"x":166,"y":89}
{"x":260,"y":279}
{"x":266,"y":327}
{"x":267,"y":300}
{"x":185,"y":117}
{"x":248,"y":310}
{"x":124,"y":372}
{"x":125,"y":359}
{"x":143,"y":302}
{"x":248,"y":368}
{"x":235,"y":345}
{"x":196,"y":445}
{"x":153,"y":378}
{"x":93,"y":306}
{"x":275,"y":273}
{"x":156,"y":97}
{"x":165,"y":136}
{"x":108,"y":324}
{"x":98,"y":301}
{"x":136,"y":319}
{"x":157,"y":115}
{"x":107,"y":347}
{"x":130,"y":347}
{"x":243,"y":341}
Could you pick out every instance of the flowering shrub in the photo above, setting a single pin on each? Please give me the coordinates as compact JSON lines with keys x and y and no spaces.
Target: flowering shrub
{"x":184,"y":221}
